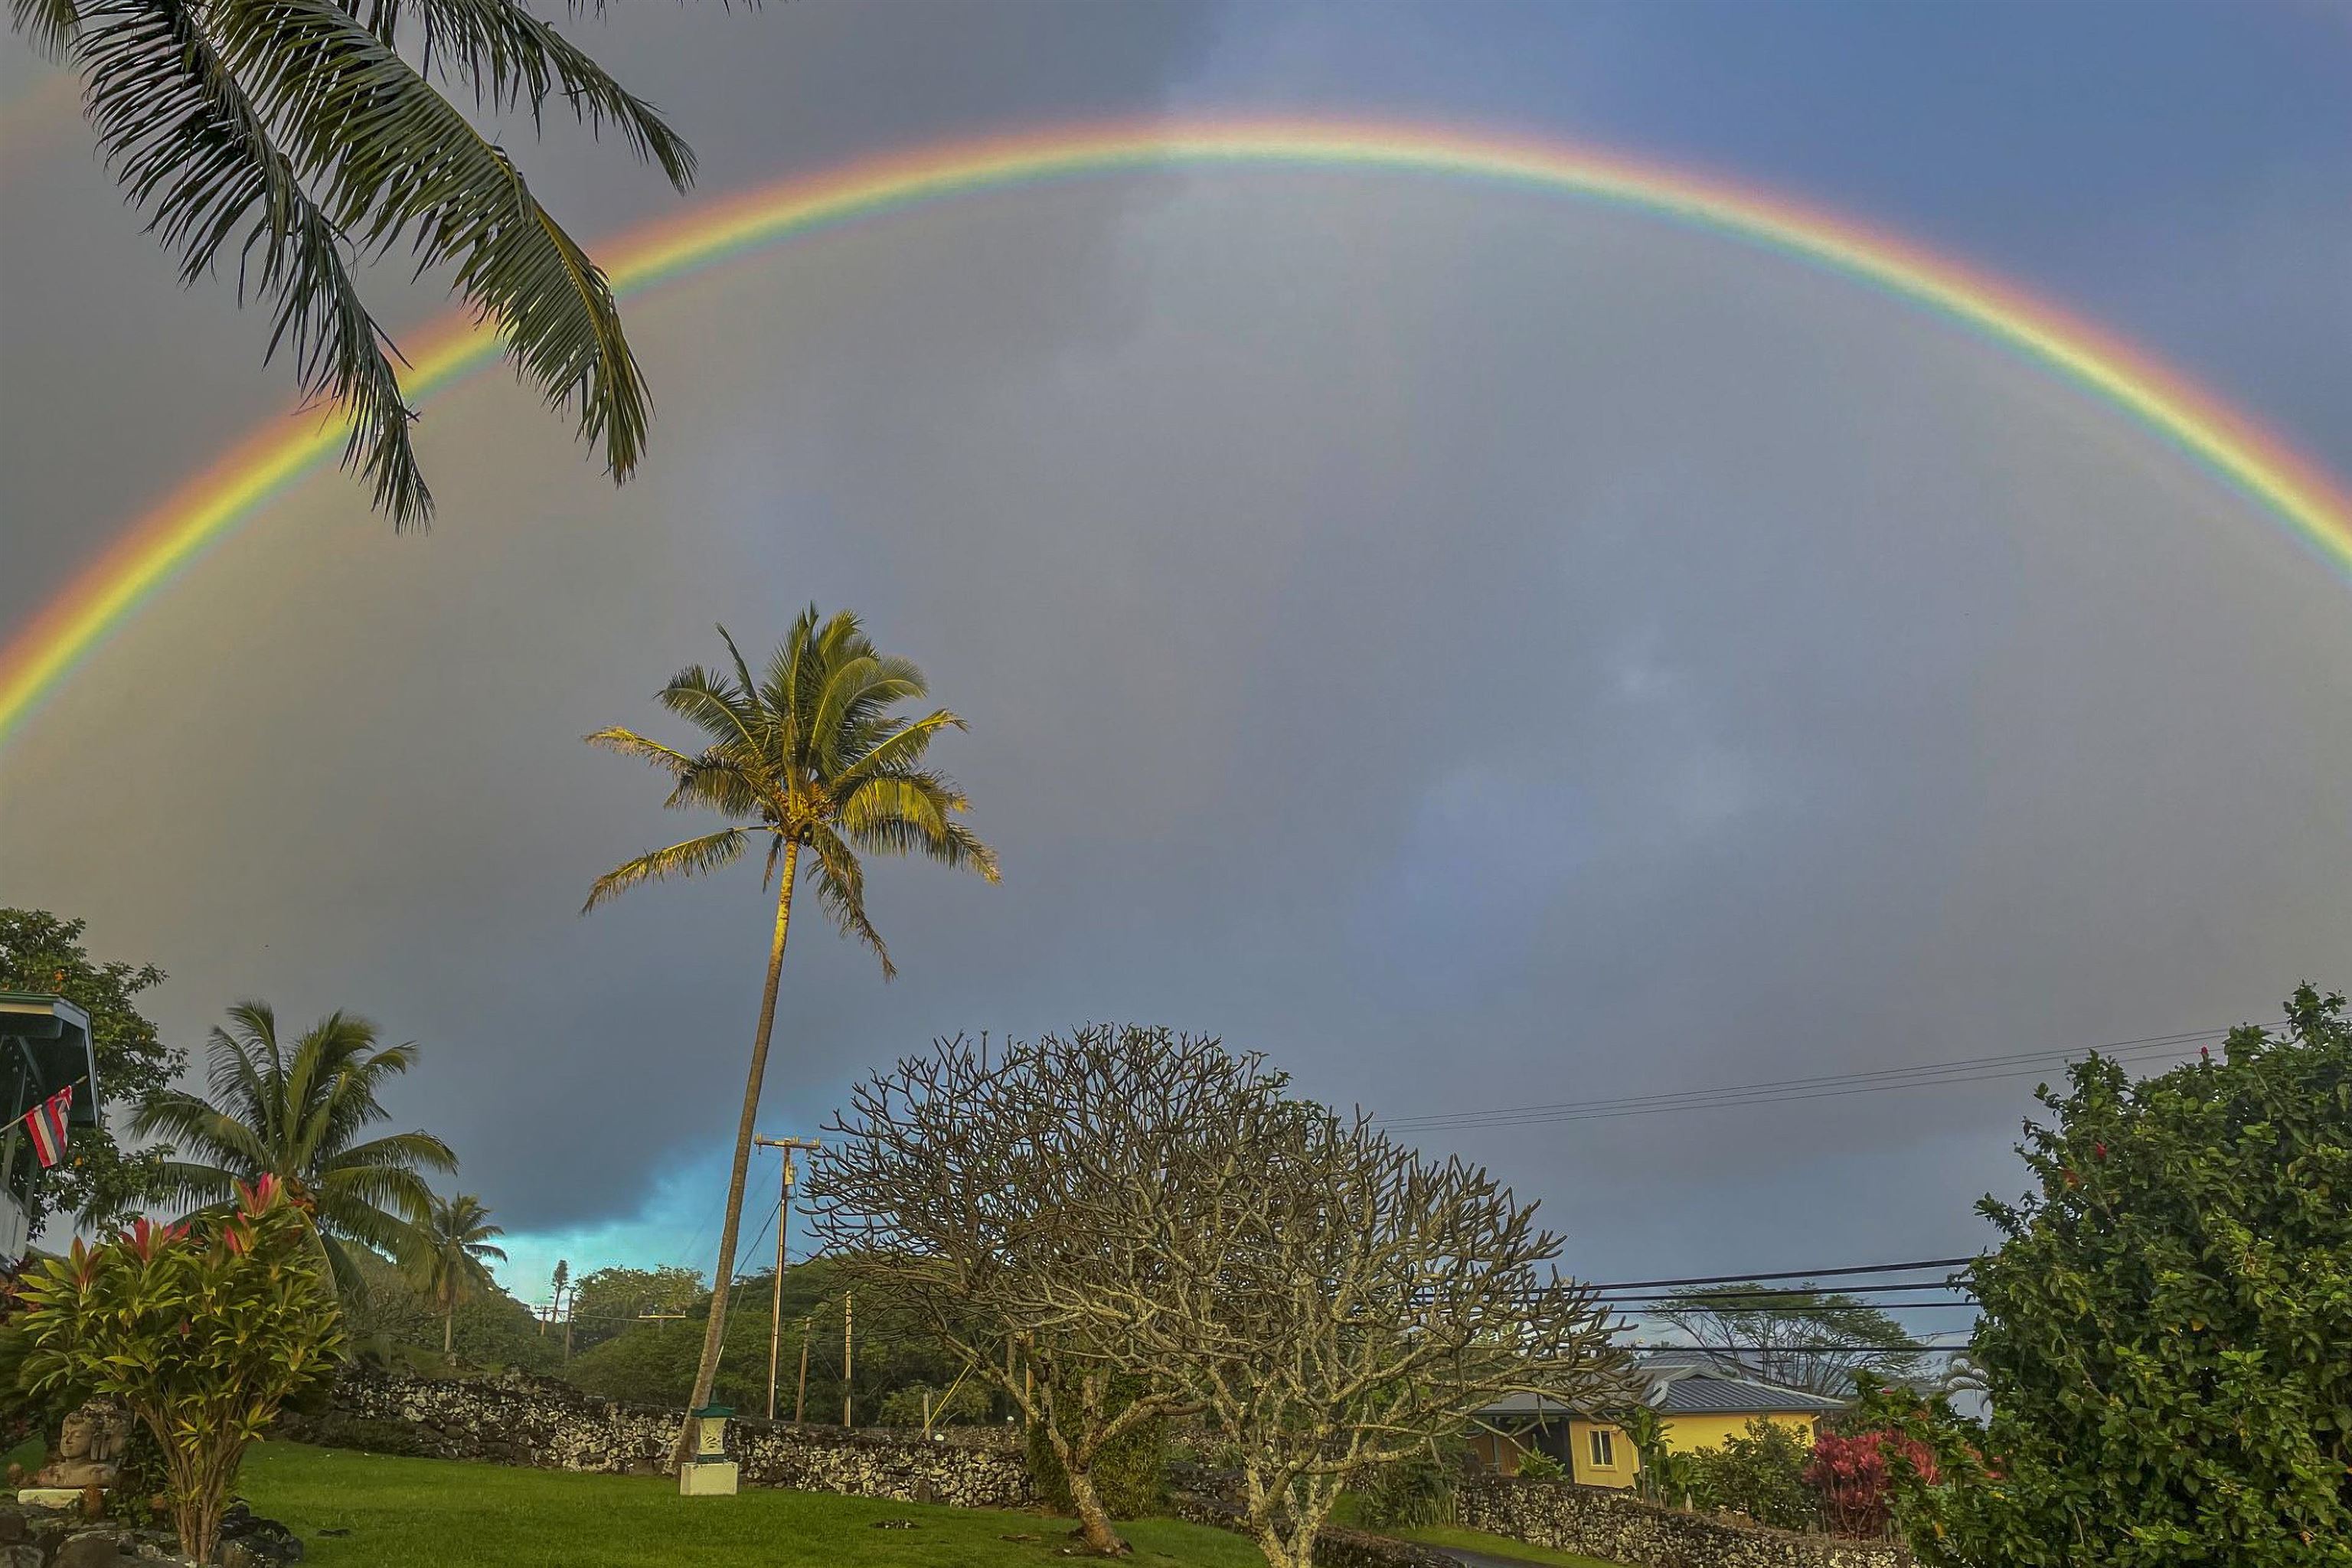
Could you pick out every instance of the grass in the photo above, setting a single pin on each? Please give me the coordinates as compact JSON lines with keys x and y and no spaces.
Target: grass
{"x":437,"y":1513}
{"x":1350,"y":1511}
{"x":1453,"y":1536}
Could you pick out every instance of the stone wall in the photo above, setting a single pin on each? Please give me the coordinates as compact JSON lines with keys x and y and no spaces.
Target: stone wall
{"x":1620,"y":1528}
{"x":519,"y":1420}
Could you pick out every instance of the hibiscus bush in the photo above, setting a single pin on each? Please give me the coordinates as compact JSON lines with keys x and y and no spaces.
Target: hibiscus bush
{"x":202,"y":1329}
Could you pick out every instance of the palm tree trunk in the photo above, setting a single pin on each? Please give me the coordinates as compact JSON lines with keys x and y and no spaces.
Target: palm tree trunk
{"x":449,"y":1332}
{"x":714,"y":1334}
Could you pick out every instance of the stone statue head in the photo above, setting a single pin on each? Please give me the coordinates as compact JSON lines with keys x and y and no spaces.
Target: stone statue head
{"x":79,"y":1436}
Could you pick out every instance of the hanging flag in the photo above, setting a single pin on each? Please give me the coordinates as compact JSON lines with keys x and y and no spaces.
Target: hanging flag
{"x":46,"y":1124}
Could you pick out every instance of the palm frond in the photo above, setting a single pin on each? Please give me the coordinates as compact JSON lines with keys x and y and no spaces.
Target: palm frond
{"x":512,"y":57}
{"x":177,"y":126}
{"x":396,"y":162}
{"x":693,"y":857}
{"x":629,"y":744}
{"x":795,"y":670}
{"x":916,"y":812}
{"x":733,"y":785}
{"x":394,"y":1151}
{"x":898,"y":751}
{"x":843,"y":686}
{"x":187,"y":1186}
{"x":840,"y":889}
{"x":706,"y":701}
{"x":50,"y":23}
{"x":189,"y":1124}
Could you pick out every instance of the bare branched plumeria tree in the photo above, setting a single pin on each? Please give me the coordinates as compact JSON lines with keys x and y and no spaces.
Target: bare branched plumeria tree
{"x":1333,"y":1300}
{"x":1147,"y":1207}
{"x":968,"y":1187}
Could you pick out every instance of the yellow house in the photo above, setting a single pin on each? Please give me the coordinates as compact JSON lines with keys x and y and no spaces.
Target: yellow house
{"x":1699,"y":1406}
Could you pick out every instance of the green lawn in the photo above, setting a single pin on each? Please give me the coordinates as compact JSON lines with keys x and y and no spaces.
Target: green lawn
{"x":1351,"y":1511}
{"x":434,"y":1513}
{"x":1499,"y":1546}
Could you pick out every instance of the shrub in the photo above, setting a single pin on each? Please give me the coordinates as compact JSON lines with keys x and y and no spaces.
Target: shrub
{"x":1760,"y":1473}
{"x":1417,"y":1492}
{"x":1538,"y":1466}
{"x":1129,"y":1473}
{"x":961,"y":1404}
{"x":202,"y":1329}
{"x":2165,"y":1341}
{"x":1664,"y":1476}
{"x":1851,"y":1482}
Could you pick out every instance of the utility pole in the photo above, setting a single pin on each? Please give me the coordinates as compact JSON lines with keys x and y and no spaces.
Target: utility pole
{"x":800,"y":1400}
{"x":783,"y":1211}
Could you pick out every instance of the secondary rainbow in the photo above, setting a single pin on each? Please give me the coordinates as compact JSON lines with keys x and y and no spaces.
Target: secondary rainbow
{"x":163,"y":542}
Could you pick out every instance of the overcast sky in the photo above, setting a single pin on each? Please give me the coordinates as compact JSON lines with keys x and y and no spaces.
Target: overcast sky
{"x":1479,"y":648}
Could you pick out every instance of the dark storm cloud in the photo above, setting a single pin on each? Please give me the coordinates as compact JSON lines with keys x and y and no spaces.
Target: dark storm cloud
{"x":116,"y":385}
{"x":1480,"y":650}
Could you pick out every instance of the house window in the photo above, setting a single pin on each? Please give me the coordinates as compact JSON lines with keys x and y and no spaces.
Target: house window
{"x":1605,"y":1449}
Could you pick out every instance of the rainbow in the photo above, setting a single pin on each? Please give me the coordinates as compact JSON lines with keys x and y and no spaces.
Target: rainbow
{"x":161,"y":544}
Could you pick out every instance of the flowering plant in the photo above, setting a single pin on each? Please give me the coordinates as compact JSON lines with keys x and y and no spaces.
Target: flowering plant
{"x":201,"y":1328}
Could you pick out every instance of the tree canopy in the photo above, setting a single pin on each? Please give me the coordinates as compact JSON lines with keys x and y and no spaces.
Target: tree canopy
{"x":1796,"y":1336}
{"x":101,"y":1182}
{"x":2167,"y":1337}
{"x":295,"y":1111}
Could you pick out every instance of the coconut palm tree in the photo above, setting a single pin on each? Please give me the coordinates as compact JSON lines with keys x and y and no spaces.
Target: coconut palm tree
{"x":810,"y":758}
{"x":287,"y":139}
{"x":447,"y":1262}
{"x":295,"y":1112}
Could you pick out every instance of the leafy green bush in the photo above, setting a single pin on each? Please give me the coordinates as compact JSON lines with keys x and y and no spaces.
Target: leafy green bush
{"x":961,"y":1404}
{"x":1538,"y":1466}
{"x":2165,"y":1340}
{"x":1129,"y":1474}
{"x":1759,"y":1473}
{"x":1415,"y":1493}
{"x":1664,"y":1476}
{"x":202,"y":1329}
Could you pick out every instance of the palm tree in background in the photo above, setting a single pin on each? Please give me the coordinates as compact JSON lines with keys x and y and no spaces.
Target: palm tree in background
{"x":295,"y":1112}
{"x":446,"y":1263}
{"x":810,"y":757}
{"x":289,"y":139}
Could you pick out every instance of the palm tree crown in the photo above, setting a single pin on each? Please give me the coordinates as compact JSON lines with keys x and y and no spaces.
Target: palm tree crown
{"x":813,"y":757}
{"x":295,"y":1112}
{"x":448,"y":1261}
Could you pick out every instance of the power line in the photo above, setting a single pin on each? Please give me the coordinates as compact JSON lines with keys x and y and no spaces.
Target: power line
{"x":1673,"y":1309}
{"x":1887,"y":1352}
{"x":2021,"y":1063}
{"x":1797,"y":1293}
{"x":1846,"y":1273}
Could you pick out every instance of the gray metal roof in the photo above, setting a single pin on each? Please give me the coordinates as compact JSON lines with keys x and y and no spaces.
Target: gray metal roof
{"x":1707,"y":1392}
{"x":1682,"y":1384}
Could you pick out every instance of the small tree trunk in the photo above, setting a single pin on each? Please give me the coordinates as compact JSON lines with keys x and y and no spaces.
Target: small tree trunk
{"x":449,"y":1333}
{"x":1094,"y":1523}
{"x":1277,"y":1549}
{"x":714,"y":1334}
